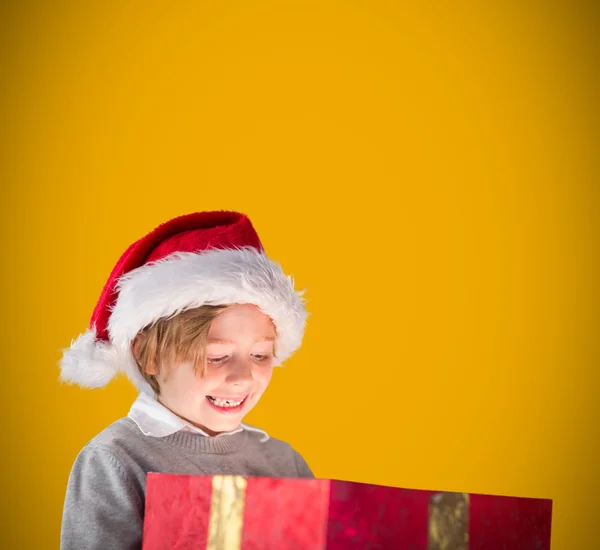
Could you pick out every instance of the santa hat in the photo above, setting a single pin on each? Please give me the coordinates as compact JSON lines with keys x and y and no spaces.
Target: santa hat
{"x":206,"y":258}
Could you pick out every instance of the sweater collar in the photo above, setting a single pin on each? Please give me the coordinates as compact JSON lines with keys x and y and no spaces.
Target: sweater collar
{"x":209,"y":445}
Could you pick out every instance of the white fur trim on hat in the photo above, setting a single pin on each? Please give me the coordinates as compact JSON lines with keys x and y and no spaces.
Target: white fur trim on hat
{"x":179,"y":282}
{"x":92,"y":363}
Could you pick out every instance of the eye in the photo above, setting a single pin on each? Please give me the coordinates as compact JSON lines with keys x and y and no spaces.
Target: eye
{"x":217,"y":360}
{"x":261,"y":357}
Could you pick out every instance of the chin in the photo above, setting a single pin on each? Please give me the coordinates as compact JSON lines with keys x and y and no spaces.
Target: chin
{"x":224,"y":429}
{"x":223,"y":426}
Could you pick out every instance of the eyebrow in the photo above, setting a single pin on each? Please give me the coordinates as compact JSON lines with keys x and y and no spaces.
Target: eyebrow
{"x":222,"y":341}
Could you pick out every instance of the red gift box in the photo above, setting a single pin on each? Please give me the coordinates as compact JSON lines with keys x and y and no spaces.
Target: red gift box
{"x":251,"y":513}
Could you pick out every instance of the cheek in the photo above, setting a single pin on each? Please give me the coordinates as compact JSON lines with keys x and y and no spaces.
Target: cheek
{"x":263,"y":377}
{"x":213,"y":376}
{"x":181,"y":381}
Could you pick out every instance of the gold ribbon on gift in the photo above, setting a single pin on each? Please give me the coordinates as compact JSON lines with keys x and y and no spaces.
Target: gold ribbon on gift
{"x":226,"y":513}
{"x":448,"y":517}
{"x":448,"y":522}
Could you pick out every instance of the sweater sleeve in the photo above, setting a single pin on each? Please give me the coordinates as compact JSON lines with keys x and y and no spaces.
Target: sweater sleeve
{"x":102,"y":509}
{"x":301,"y":466}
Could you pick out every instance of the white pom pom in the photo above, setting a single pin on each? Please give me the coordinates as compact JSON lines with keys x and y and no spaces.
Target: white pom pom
{"x":88,"y":362}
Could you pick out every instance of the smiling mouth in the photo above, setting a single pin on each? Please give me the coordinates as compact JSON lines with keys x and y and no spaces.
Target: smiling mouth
{"x":226,"y":405}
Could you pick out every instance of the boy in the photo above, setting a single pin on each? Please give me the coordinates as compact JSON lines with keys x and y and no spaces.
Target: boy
{"x":197,"y":316}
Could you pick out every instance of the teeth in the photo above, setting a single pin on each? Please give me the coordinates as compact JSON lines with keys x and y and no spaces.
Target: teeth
{"x":224,"y":403}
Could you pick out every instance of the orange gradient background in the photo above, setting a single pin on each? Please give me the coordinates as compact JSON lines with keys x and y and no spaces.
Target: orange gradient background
{"x":426,"y":170}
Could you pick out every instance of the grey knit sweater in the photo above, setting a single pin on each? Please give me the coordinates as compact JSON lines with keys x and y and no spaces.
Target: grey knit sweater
{"x":104,"y":504}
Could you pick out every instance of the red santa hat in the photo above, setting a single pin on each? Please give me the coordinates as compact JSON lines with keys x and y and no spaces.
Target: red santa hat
{"x":206,"y":258}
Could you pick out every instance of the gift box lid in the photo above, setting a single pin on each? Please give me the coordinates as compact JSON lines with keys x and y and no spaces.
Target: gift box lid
{"x":243,"y":513}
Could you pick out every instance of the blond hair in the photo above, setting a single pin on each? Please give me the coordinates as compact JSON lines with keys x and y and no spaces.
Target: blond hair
{"x":181,"y":337}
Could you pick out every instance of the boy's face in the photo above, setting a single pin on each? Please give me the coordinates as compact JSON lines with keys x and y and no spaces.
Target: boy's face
{"x":239,"y":359}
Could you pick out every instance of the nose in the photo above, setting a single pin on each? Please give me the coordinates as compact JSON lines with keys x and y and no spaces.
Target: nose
{"x":240,"y":372}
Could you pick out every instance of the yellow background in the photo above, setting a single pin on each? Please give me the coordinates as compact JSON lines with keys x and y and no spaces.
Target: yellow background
{"x":425,"y":170}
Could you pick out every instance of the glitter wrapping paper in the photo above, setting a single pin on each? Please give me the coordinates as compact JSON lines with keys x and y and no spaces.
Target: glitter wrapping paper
{"x":251,"y":513}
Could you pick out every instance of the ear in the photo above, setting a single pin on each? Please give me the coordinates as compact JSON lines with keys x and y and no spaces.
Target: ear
{"x":136,"y":347}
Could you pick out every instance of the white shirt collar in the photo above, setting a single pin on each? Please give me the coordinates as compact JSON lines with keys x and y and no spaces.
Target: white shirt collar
{"x":155,"y":420}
